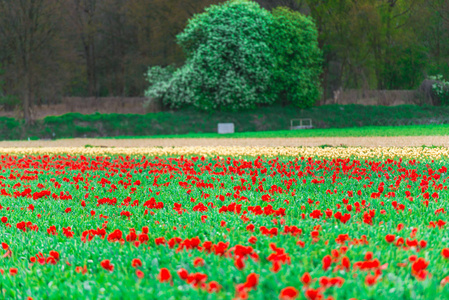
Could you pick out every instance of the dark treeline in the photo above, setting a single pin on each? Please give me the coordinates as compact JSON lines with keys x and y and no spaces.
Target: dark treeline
{"x":54,"y":48}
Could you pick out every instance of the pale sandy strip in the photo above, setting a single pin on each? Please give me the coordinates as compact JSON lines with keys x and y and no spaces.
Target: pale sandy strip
{"x":403,"y":141}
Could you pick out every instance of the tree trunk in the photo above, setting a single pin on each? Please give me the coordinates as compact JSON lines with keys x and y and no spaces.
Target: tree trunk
{"x":27,"y":100}
{"x":89,"y":50}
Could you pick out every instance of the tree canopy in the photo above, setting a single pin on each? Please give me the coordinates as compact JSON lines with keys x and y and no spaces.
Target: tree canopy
{"x":239,"y":55}
{"x":298,"y":60}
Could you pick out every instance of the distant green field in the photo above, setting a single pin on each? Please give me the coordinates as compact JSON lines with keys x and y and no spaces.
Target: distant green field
{"x":273,"y":121}
{"x":414,"y":130}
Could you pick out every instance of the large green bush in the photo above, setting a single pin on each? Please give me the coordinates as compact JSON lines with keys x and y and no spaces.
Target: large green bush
{"x":239,"y":55}
{"x":298,"y":59}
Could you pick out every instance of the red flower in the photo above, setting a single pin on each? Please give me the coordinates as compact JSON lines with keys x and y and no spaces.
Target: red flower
{"x":198,"y":262}
{"x":213,"y":287}
{"x":368,"y":255}
{"x":51,"y":260}
{"x":139,"y":274}
{"x":345,"y":262}
{"x":444,"y":281}
{"x":445,"y":253}
{"x":68,"y":209}
{"x":306,"y":278}
{"x":313,"y":294}
{"x":182,"y":273}
{"x":419,"y":265}
{"x":106,"y":264}
{"x":327,"y":260}
{"x":252,"y":240}
{"x":422,"y":244}
{"x":54,"y":254}
{"x":159,"y":241}
{"x":288,"y":293}
{"x":390,"y":238}
{"x":252,"y":280}
{"x":239,"y":263}
{"x":164,"y":275}
{"x":324,"y":281}
{"x":370,"y":280}
{"x":13,"y":271}
{"x":82,"y":270}
{"x":136,"y":263}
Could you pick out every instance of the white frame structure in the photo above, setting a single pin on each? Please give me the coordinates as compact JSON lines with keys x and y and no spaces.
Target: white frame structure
{"x":302,"y":124}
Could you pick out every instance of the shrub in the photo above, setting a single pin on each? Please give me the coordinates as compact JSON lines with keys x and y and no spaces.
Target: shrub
{"x":158,"y":79}
{"x":441,"y":89}
{"x":298,"y":59}
{"x":229,"y":63}
{"x":239,"y":56}
{"x":228,"y":51}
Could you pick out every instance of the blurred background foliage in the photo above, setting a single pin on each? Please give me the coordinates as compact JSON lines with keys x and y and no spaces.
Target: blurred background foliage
{"x":55,"y":48}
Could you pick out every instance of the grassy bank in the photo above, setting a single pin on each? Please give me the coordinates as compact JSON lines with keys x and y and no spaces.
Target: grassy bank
{"x":273,"y":121}
{"x":414,"y":130}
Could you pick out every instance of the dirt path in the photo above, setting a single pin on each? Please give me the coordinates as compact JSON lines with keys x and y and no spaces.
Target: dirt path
{"x":268,"y":142}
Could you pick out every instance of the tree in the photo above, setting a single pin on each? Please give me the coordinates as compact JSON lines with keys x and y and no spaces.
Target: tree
{"x":29,"y":38}
{"x":296,"y":5}
{"x":294,"y":43}
{"x":434,"y":35}
{"x":370,"y":44}
{"x":229,"y":63}
{"x":117,"y":47}
{"x":85,"y":20}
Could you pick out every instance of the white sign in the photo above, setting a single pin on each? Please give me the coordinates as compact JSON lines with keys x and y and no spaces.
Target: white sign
{"x":224,"y":128}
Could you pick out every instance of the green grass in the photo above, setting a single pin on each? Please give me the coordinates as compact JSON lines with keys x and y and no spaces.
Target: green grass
{"x":273,"y":121}
{"x":414,"y":130}
{"x":83,"y":227}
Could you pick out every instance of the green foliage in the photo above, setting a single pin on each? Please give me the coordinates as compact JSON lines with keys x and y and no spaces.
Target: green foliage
{"x":157,"y":74}
{"x":180,"y":89}
{"x":405,"y":69}
{"x":158,"y":79}
{"x":228,"y":63}
{"x":274,"y":118}
{"x":239,"y":55}
{"x":375,"y":131}
{"x":294,"y":42}
{"x":9,"y":102}
{"x":56,"y":243}
{"x":441,"y":89}
{"x":380,"y":44}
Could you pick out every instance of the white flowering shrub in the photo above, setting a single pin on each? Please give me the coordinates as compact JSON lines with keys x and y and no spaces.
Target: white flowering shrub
{"x":233,"y":50}
{"x":441,"y":88}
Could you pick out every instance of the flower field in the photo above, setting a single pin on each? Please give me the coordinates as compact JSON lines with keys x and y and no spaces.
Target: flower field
{"x":224,"y":223}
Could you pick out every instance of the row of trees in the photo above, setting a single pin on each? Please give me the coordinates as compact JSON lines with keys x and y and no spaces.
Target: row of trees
{"x":383,"y":44}
{"x":51,"y":48}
